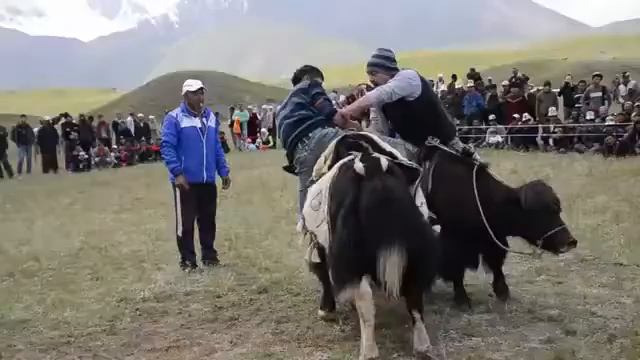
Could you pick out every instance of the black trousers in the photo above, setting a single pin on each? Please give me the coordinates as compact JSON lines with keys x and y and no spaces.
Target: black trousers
{"x":198,"y":204}
{"x":49,"y":163}
{"x":4,"y":162}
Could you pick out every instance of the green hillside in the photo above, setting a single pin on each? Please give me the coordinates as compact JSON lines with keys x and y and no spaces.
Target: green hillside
{"x":54,"y":101}
{"x":164,"y":93}
{"x":257,"y":50}
{"x":574,"y":52}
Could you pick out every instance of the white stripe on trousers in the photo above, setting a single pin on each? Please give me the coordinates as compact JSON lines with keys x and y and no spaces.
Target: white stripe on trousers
{"x":178,"y":212}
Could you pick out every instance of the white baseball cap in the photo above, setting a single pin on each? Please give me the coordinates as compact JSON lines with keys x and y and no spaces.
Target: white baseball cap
{"x":553,"y":111}
{"x":192,"y":85}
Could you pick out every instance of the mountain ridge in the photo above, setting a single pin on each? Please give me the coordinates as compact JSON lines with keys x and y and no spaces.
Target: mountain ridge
{"x":222,"y":29}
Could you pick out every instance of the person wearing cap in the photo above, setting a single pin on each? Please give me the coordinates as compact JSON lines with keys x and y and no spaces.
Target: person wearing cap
{"x":440,"y":87}
{"x":473,"y":104}
{"x":193,"y":156}
{"x":596,"y":95}
{"x":407,"y":102}
{"x":545,"y":100}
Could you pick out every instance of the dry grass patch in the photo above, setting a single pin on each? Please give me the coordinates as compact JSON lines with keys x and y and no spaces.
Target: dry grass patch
{"x":88,"y":268}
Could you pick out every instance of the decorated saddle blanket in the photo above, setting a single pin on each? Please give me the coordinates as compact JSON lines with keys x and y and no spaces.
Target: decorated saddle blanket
{"x":315,"y":212}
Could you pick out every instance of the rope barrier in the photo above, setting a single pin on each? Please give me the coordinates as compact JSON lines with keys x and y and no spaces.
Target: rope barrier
{"x":538,"y":125}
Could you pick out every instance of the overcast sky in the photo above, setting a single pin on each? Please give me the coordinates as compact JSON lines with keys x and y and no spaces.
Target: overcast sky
{"x":595,"y":12}
{"x":74,"y":18}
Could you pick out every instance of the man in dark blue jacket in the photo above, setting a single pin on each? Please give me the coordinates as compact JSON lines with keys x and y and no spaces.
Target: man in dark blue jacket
{"x":193,"y":155}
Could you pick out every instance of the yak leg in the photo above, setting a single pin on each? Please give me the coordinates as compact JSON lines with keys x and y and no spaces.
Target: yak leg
{"x":363,"y":297}
{"x":460,"y":297}
{"x":327,"y":299}
{"x":495,"y":262}
{"x":421,"y":343}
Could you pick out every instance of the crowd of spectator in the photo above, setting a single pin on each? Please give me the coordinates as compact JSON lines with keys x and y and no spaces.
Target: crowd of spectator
{"x":517,"y":115}
{"x":520,"y":116}
{"x":253,"y":128}
{"x":85,"y":143}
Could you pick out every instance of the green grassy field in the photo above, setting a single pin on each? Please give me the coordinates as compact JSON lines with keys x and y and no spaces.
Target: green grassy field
{"x":51,"y":102}
{"x":576,"y":52}
{"x":88,"y":269}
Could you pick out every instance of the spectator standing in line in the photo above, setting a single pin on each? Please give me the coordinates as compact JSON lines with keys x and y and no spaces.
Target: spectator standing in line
{"x":473,"y":104}
{"x":145,"y":128}
{"x":566,"y":93}
{"x":86,"y":139}
{"x":48,"y":140}
{"x":70,"y":138}
{"x":515,"y":104}
{"x":473,"y":75}
{"x":24,"y":138}
{"x":596,"y":95}
{"x":632,"y":88}
{"x":193,"y":156}
{"x":103,"y":132}
{"x":545,"y":100}
{"x":440,"y":87}
{"x":578,"y":95}
{"x":131,"y":123}
{"x":242,"y":115}
{"x":4,"y":146}
{"x":516,"y":80}
{"x":506,"y":90}
{"x":451,"y":88}
{"x":115,"y":128}
{"x":153,"y":127}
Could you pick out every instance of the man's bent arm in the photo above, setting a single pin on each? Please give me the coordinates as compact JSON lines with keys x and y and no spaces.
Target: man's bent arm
{"x":169,"y":144}
{"x":406,"y":84}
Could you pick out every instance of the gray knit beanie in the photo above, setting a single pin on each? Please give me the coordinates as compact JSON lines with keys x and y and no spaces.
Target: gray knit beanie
{"x":383,"y":60}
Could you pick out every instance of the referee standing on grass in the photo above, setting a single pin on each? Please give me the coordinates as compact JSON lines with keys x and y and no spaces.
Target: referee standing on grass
{"x":193,"y":155}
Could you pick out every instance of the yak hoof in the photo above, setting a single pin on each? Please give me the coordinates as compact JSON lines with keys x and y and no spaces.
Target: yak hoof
{"x":502,"y":291}
{"x":424,"y":356}
{"x":463,"y":302}
{"x":326,"y":315}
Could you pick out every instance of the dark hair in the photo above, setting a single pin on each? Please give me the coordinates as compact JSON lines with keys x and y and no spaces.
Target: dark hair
{"x":454,"y":76}
{"x":582,"y":82}
{"x":547,"y":83}
{"x":23,"y":116}
{"x":306,"y":71}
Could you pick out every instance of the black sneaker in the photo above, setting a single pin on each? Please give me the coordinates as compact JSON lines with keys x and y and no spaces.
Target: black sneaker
{"x":188,"y":266}
{"x":211,"y":262}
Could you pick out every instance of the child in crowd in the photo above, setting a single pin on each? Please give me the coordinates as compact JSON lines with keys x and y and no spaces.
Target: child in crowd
{"x":102,"y":157}
{"x":223,"y":141}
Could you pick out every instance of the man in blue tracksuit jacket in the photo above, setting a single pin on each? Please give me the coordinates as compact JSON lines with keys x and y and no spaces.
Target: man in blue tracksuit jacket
{"x":193,"y":155}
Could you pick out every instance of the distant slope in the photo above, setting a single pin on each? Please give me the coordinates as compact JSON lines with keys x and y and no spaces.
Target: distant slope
{"x":54,"y":101}
{"x":430,"y":63}
{"x":555,"y":71}
{"x":10,"y":120}
{"x":264,"y":39}
{"x":621,"y":27}
{"x":164,"y":93}
{"x":257,"y":50}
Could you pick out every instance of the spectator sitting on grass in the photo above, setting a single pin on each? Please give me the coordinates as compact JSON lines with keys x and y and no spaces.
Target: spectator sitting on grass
{"x":266,"y":140}
{"x":115,"y":155}
{"x":156,"y":151}
{"x":80,"y":160}
{"x":102,"y":157}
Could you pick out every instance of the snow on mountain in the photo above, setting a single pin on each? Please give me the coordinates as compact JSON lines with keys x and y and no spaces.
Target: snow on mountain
{"x":82,"y":19}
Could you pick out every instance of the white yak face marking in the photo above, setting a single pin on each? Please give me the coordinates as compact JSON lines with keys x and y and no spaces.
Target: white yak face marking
{"x":359,"y":166}
{"x":384,"y":162}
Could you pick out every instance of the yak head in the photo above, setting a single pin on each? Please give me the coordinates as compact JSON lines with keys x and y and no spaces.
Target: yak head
{"x":538,"y":218}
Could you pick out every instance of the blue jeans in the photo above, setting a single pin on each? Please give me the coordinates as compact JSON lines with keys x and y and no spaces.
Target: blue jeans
{"x":24,"y":151}
{"x":309,"y":150}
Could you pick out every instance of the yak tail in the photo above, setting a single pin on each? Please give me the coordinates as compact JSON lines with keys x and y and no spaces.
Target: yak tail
{"x":390,"y":268}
